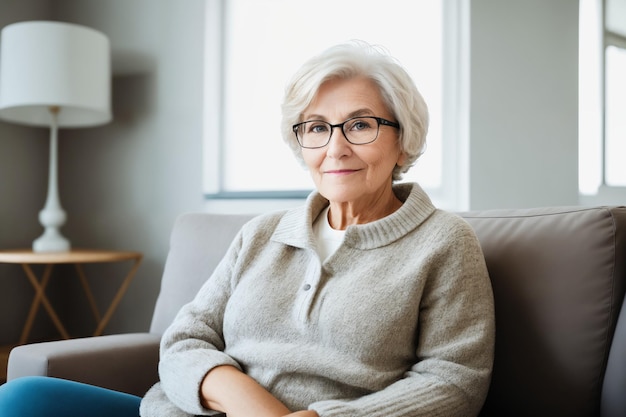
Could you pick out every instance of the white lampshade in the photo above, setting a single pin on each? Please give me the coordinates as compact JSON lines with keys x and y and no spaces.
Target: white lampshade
{"x":54,"y":64}
{"x":54,"y":74}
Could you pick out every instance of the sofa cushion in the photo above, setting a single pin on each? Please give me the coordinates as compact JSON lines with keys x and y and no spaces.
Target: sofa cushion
{"x":559,"y":278}
{"x":197,"y":244}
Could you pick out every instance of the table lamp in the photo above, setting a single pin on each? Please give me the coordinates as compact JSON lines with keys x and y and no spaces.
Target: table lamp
{"x":54,"y":74}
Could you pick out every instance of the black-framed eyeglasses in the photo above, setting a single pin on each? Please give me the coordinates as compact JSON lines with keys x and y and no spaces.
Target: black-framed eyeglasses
{"x":360,"y":130}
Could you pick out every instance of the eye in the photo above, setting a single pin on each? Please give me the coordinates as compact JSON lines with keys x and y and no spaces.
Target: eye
{"x":317,"y":127}
{"x":360,"y":124}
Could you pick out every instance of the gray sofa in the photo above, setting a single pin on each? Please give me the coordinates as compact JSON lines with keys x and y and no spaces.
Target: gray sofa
{"x":559,"y":279}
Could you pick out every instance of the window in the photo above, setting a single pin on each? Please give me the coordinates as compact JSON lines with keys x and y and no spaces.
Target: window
{"x":615,"y":116}
{"x":260,"y":44}
{"x":602,"y":99}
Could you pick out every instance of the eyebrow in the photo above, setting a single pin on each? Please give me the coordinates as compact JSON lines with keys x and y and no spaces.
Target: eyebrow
{"x":356,"y":113}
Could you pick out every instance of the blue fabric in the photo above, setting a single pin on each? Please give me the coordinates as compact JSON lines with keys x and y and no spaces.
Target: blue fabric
{"x":38,"y":396}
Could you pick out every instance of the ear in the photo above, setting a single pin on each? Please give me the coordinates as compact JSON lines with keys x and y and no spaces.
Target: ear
{"x":401,"y":159}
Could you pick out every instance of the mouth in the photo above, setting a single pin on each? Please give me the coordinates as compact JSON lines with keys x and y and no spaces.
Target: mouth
{"x":340,"y":171}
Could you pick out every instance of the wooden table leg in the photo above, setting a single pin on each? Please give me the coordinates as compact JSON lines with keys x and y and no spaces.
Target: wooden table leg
{"x":88,"y":292}
{"x":118,"y":297}
{"x":40,"y":298}
{"x":34,"y":306}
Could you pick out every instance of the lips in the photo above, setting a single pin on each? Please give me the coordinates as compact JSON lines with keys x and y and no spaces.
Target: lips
{"x":340,"y":171}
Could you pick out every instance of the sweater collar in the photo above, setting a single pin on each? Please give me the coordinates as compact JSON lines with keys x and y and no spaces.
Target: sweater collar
{"x":295,"y":227}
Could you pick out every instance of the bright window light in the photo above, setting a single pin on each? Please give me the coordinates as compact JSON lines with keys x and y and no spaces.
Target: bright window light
{"x":615,"y":122}
{"x":590,"y":97}
{"x":265,"y":42}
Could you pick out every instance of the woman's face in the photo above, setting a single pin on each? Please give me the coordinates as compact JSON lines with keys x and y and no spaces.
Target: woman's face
{"x":344,"y":172}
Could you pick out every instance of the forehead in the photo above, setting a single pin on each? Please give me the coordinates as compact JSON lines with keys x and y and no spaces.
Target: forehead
{"x":342,"y":97}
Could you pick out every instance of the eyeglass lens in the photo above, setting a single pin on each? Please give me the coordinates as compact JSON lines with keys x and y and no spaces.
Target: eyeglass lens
{"x":317,"y":133}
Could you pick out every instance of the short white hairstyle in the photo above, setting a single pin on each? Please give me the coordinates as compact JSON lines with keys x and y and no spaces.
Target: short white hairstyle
{"x":360,"y":59}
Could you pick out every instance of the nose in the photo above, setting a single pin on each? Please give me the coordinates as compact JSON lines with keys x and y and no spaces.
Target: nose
{"x":338,"y":146}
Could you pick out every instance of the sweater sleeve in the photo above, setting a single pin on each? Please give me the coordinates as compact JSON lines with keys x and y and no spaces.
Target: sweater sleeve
{"x":455,"y":342}
{"x":194,"y":342}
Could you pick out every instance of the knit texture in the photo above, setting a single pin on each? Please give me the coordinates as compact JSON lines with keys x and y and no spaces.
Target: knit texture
{"x":398,"y":322}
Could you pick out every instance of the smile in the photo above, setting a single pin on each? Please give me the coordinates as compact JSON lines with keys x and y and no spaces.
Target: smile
{"x":341,"y":171}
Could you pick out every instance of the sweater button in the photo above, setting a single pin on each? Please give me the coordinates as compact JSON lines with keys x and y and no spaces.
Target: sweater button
{"x":306,"y":287}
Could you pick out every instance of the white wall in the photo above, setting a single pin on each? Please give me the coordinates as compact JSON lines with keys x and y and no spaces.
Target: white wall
{"x":23,"y":182}
{"x":523,"y":103}
{"x":122,"y":184}
{"x":126,"y":182}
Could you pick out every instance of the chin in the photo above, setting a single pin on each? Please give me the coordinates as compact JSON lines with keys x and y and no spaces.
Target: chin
{"x":338,"y":195}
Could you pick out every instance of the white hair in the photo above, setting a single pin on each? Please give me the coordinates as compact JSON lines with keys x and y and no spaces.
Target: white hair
{"x":360,"y":59}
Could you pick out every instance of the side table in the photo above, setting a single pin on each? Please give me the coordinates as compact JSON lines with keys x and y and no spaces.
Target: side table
{"x":77,"y":257}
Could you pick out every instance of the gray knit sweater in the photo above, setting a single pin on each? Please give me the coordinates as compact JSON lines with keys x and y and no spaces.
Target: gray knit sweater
{"x":398,"y":322}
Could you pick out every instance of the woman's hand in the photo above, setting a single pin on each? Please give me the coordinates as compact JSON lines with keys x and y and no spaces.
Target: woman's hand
{"x":227,"y":389}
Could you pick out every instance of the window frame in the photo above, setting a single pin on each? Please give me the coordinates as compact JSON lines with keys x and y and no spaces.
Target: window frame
{"x":605,"y":193}
{"x":453,"y":192}
{"x":609,"y":39}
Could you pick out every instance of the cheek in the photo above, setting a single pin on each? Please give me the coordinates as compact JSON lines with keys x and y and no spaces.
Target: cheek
{"x":380,"y":159}
{"x":312,"y":158}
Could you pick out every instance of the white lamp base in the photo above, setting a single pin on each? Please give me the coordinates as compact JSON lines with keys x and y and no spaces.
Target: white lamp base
{"x":52,"y":240}
{"x":52,"y":217}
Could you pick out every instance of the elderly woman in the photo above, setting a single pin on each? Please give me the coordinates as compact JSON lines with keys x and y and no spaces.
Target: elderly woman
{"x":366,"y":301}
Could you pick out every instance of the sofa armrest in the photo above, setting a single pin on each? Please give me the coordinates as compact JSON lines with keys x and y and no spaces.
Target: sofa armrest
{"x":122,"y":362}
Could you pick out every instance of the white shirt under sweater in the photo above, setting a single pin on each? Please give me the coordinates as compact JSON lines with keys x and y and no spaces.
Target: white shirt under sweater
{"x":328,"y":239}
{"x":398,"y":322}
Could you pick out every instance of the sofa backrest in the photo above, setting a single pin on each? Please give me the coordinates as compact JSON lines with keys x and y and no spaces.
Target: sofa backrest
{"x":559,"y":278}
{"x":197,"y":244}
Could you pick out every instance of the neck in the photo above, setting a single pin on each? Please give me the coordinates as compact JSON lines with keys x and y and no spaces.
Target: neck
{"x":344,"y":214}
